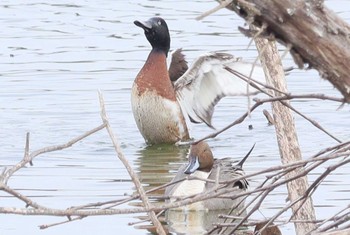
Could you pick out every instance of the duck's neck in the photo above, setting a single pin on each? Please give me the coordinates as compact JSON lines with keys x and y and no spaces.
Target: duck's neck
{"x":154,"y":75}
{"x":157,"y":61}
{"x":160,"y":50}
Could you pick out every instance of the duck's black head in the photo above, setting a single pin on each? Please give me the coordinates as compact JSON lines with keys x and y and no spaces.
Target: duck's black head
{"x":157,"y":33}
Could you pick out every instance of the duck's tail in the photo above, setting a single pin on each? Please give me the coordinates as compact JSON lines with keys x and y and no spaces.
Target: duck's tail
{"x":241,"y":162}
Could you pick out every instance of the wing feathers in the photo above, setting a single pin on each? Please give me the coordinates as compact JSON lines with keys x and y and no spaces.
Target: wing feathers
{"x":177,"y":65}
{"x":207,"y":81}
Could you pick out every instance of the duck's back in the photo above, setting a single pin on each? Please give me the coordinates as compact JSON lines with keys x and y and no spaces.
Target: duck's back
{"x":227,"y":171}
{"x":156,"y":110}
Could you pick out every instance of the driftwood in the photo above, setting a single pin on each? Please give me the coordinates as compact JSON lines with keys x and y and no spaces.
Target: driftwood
{"x":314,"y":34}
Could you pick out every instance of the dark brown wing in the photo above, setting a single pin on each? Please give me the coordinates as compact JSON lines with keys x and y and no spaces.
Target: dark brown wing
{"x":178,"y":65}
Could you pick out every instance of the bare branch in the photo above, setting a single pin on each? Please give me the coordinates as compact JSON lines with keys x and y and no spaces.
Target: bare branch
{"x":9,"y":172}
{"x":131,"y":172}
{"x":223,"y":4}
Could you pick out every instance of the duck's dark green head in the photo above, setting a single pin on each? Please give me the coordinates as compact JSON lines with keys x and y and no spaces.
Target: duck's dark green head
{"x":157,"y":33}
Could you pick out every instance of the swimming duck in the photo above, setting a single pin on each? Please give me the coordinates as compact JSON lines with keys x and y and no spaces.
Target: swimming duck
{"x":202,"y":165}
{"x":157,"y":103}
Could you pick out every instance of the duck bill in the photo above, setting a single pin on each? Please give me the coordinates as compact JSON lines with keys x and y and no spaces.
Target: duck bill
{"x":145,"y":25}
{"x":192,"y":166}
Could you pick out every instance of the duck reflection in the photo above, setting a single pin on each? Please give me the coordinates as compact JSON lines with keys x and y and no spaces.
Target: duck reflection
{"x":197,"y":222}
{"x":191,"y":222}
{"x":157,"y":165}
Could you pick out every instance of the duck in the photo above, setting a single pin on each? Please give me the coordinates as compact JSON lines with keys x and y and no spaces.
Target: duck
{"x":202,"y":164}
{"x":161,"y":97}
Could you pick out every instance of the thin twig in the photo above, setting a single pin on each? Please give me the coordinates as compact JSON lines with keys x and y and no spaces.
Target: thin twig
{"x":222,"y":4}
{"x":333,"y":217}
{"x":45,"y":226}
{"x":9,"y":172}
{"x":131,"y":172}
{"x":26,"y":150}
{"x":281,"y":99}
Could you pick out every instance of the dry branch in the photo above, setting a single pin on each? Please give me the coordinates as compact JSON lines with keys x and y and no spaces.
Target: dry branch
{"x":28,"y":158}
{"x":133,"y":175}
{"x":315,"y":35}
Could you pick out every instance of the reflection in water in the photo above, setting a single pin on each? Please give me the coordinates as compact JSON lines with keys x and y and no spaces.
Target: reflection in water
{"x":191,"y":222}
{"x":195,"y":222}
{"x":158,"y":164}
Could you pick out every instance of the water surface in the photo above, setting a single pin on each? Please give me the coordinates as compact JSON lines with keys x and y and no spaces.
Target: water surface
{"x":56,"y":56}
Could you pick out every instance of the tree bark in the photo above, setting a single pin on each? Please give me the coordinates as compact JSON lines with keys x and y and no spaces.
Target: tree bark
{"x":286,"y":134}
{"x":316,"y":35}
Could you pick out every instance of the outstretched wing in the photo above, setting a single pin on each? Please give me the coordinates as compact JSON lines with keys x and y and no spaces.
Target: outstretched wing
{"x":207,"y":81}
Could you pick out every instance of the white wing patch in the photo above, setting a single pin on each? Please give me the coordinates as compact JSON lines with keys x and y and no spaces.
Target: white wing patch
{"x":207,"y":81}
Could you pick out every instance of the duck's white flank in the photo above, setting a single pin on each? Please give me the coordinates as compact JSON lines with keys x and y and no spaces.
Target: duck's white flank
{"x":192,"y":187}
{"x":175,"y":110}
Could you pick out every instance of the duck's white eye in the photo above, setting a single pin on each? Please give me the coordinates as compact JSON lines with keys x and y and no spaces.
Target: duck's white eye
{"x":159,"y":22}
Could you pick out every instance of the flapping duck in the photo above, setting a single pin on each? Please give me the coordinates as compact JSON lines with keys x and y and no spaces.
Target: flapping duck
{"x":159,"y":105}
